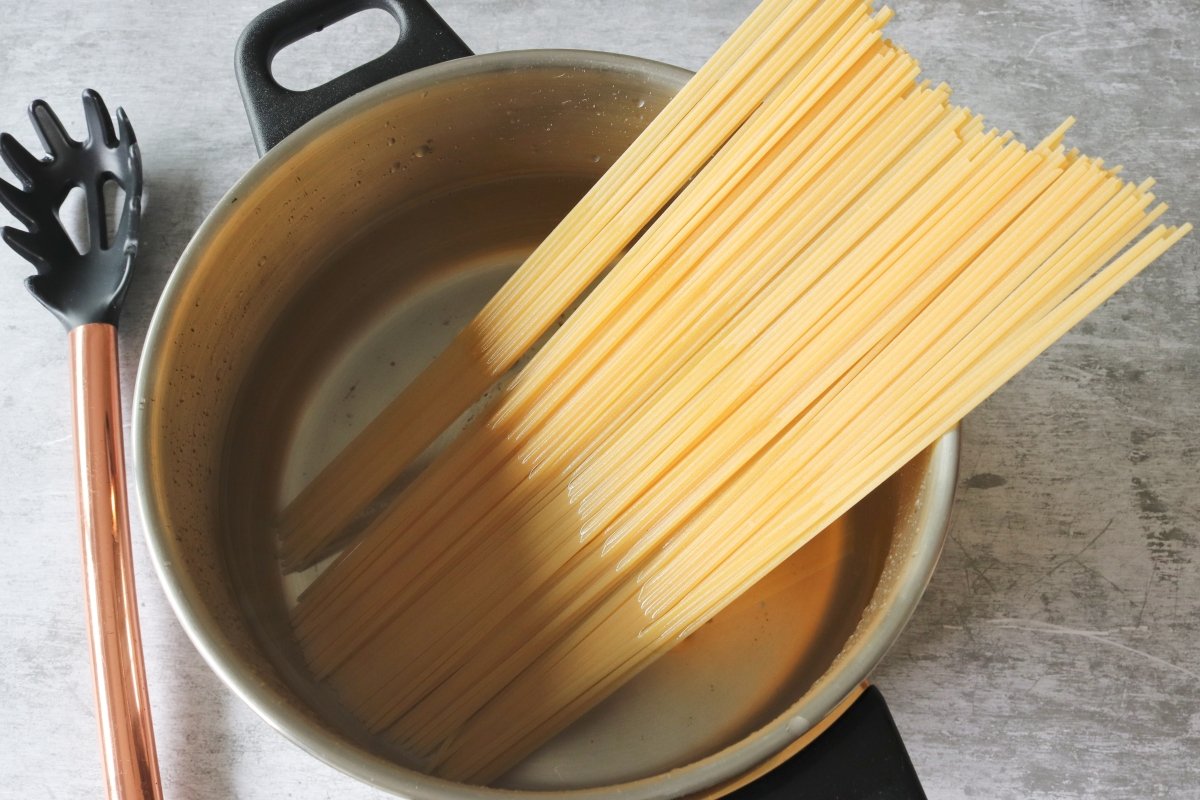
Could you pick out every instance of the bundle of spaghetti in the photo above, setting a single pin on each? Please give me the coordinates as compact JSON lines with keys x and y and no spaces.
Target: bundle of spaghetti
{"x":856,"y":269}
{"x":902,"y":116}
{"x":781,"y":42}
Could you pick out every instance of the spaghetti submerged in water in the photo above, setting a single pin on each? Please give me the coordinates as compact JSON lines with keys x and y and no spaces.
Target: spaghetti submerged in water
{"x":840,"y":266}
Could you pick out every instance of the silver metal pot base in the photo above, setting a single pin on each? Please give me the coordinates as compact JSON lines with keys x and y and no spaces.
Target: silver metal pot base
{"x":339,"y":266}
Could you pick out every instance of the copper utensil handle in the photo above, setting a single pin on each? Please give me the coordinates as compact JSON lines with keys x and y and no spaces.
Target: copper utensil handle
{"x":122,"y":703}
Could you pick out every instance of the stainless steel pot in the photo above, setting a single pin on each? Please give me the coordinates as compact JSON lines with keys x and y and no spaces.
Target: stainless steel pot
{"x":330,"y":273}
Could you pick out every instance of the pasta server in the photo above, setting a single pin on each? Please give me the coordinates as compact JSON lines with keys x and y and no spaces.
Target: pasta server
{"x":84,"y":289}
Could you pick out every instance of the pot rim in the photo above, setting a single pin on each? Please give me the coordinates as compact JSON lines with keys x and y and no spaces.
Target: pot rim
{"x":851,"y":669}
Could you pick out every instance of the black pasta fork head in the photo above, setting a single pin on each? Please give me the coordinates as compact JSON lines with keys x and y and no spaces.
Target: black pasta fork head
{"x":78,"y":288}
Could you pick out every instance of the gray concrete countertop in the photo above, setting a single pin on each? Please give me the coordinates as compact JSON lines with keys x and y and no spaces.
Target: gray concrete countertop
{"x":1057,"y":651}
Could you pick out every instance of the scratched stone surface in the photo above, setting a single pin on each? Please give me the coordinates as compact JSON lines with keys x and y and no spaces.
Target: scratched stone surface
{"x":1057,"y":650}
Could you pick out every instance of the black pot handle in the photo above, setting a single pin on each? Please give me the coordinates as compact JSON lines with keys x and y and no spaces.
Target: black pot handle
{"x":275,"y":112}
{"x":859,"y":756}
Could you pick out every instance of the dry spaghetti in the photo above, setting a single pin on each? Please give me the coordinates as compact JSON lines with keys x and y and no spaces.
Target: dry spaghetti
{"x":840,"y":266}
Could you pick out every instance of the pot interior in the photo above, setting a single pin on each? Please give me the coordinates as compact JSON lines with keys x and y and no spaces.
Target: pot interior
{"x":333,"y":273}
